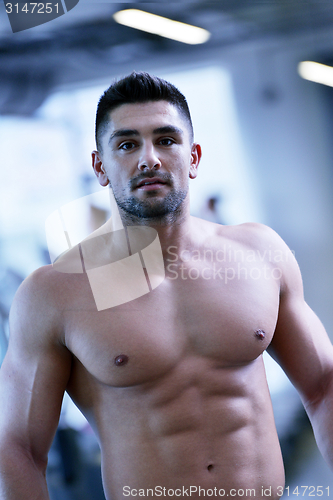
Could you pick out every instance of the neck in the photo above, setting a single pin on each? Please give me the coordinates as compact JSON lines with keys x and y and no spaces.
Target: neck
{"x":173,"y":229}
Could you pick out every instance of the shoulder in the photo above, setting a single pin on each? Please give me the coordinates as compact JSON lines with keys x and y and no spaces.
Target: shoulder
{"x":40,"y":288}
{"x":35,"y":288}
{"x":255,"y":241}
{"x":250,"y":234}
{"x":37,"y":311}
{"x":255,"y":236}
{"x":269,"y":247}
{"x":34,"y":302}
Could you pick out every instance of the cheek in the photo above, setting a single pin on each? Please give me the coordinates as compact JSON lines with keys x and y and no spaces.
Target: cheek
{"x":180,"y":164}
{"x":116,"y":172}
{"x":182,"y":170}
{"x":118,"y":181}
{"x":115,"y":180}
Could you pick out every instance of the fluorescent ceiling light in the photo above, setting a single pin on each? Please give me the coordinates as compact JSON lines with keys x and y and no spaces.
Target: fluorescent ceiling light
{"x":162,"y":26}
{"x":316,"y":72}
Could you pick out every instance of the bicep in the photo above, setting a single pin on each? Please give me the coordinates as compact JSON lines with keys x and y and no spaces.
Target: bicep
{"x":33,"y":378}
{"x":301,"y":345}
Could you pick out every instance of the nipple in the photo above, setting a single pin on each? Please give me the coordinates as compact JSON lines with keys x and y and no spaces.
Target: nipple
{"x":121,"y":360}
{"x":260,"y":334}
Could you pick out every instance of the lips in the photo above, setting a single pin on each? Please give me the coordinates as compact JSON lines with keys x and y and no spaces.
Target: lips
{"x":150,"y":183}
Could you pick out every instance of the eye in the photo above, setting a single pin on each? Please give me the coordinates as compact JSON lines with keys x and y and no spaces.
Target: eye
{"x":127,"y":145}
{"x":166,"y":141}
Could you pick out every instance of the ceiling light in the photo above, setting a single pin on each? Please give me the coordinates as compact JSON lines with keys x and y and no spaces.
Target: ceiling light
{"x":162,"y":26}
{"x":316,"y":72}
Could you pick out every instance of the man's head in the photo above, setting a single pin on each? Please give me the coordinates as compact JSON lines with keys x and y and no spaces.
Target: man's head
{"x":138,"y":88}
{"x":146,"y":152}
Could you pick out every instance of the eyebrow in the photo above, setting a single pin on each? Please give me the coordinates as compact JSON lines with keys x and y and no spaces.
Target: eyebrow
{"x":168,"y":129}
{"x":123,"y":132}
{"x":128,"y":132}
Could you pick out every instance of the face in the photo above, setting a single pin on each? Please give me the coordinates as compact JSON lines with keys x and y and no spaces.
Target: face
{"x":147,"y":157}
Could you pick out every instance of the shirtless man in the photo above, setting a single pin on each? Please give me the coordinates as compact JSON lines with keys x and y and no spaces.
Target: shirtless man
{"x":173,"y":381}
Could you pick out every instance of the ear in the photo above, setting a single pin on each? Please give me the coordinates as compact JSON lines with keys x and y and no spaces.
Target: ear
{"x":97,"y":164}
{"x":195,"y":160}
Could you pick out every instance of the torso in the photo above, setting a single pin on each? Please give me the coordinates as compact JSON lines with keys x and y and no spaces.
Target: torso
{"x":190,"y":407}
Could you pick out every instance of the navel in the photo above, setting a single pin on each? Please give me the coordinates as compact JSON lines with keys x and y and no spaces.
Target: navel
{"x":210,"y":467}
{"x":260,"y":334}
{"x":121,"y":360}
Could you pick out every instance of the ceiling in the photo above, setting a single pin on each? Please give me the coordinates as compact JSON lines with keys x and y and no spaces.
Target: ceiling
{"x":86,"y":43}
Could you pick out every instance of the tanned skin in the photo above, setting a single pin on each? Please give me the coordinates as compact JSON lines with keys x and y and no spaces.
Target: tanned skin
{"x":172,"y":382}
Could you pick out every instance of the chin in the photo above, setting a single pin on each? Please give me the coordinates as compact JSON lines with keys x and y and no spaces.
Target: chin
{"x":153,"y":208}
{"x":150,"y":210}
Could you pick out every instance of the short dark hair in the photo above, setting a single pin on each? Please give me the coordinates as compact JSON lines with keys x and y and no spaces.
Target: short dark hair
{"x":138,"y":88}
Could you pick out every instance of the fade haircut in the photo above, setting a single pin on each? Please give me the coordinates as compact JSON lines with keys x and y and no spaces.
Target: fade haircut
{"x":138,"y":88}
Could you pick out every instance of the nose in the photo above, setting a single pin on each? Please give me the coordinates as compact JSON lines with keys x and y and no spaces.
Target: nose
{"x":148,"y":159}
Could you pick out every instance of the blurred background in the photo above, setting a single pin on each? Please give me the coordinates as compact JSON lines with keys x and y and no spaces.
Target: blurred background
{"x":267,"y":139}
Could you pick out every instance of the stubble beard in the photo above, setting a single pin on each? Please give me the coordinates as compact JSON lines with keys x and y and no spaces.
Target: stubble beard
{"x":165,"y":210}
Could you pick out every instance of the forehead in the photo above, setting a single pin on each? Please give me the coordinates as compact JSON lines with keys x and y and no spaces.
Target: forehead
{"x":146,"y":116}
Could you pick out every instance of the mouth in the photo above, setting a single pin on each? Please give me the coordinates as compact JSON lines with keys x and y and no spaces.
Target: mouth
{"x":150,"y":184}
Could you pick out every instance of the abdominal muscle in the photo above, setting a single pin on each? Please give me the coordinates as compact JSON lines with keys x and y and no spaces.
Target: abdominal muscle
{"x":173,"y":437}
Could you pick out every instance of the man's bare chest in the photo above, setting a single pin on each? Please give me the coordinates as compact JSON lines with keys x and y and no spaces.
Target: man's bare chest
{"x":227,"y":322}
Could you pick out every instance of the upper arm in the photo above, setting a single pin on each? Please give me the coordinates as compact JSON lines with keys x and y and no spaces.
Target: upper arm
{"x":300,"y":343}
{"x":35,"y":371}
